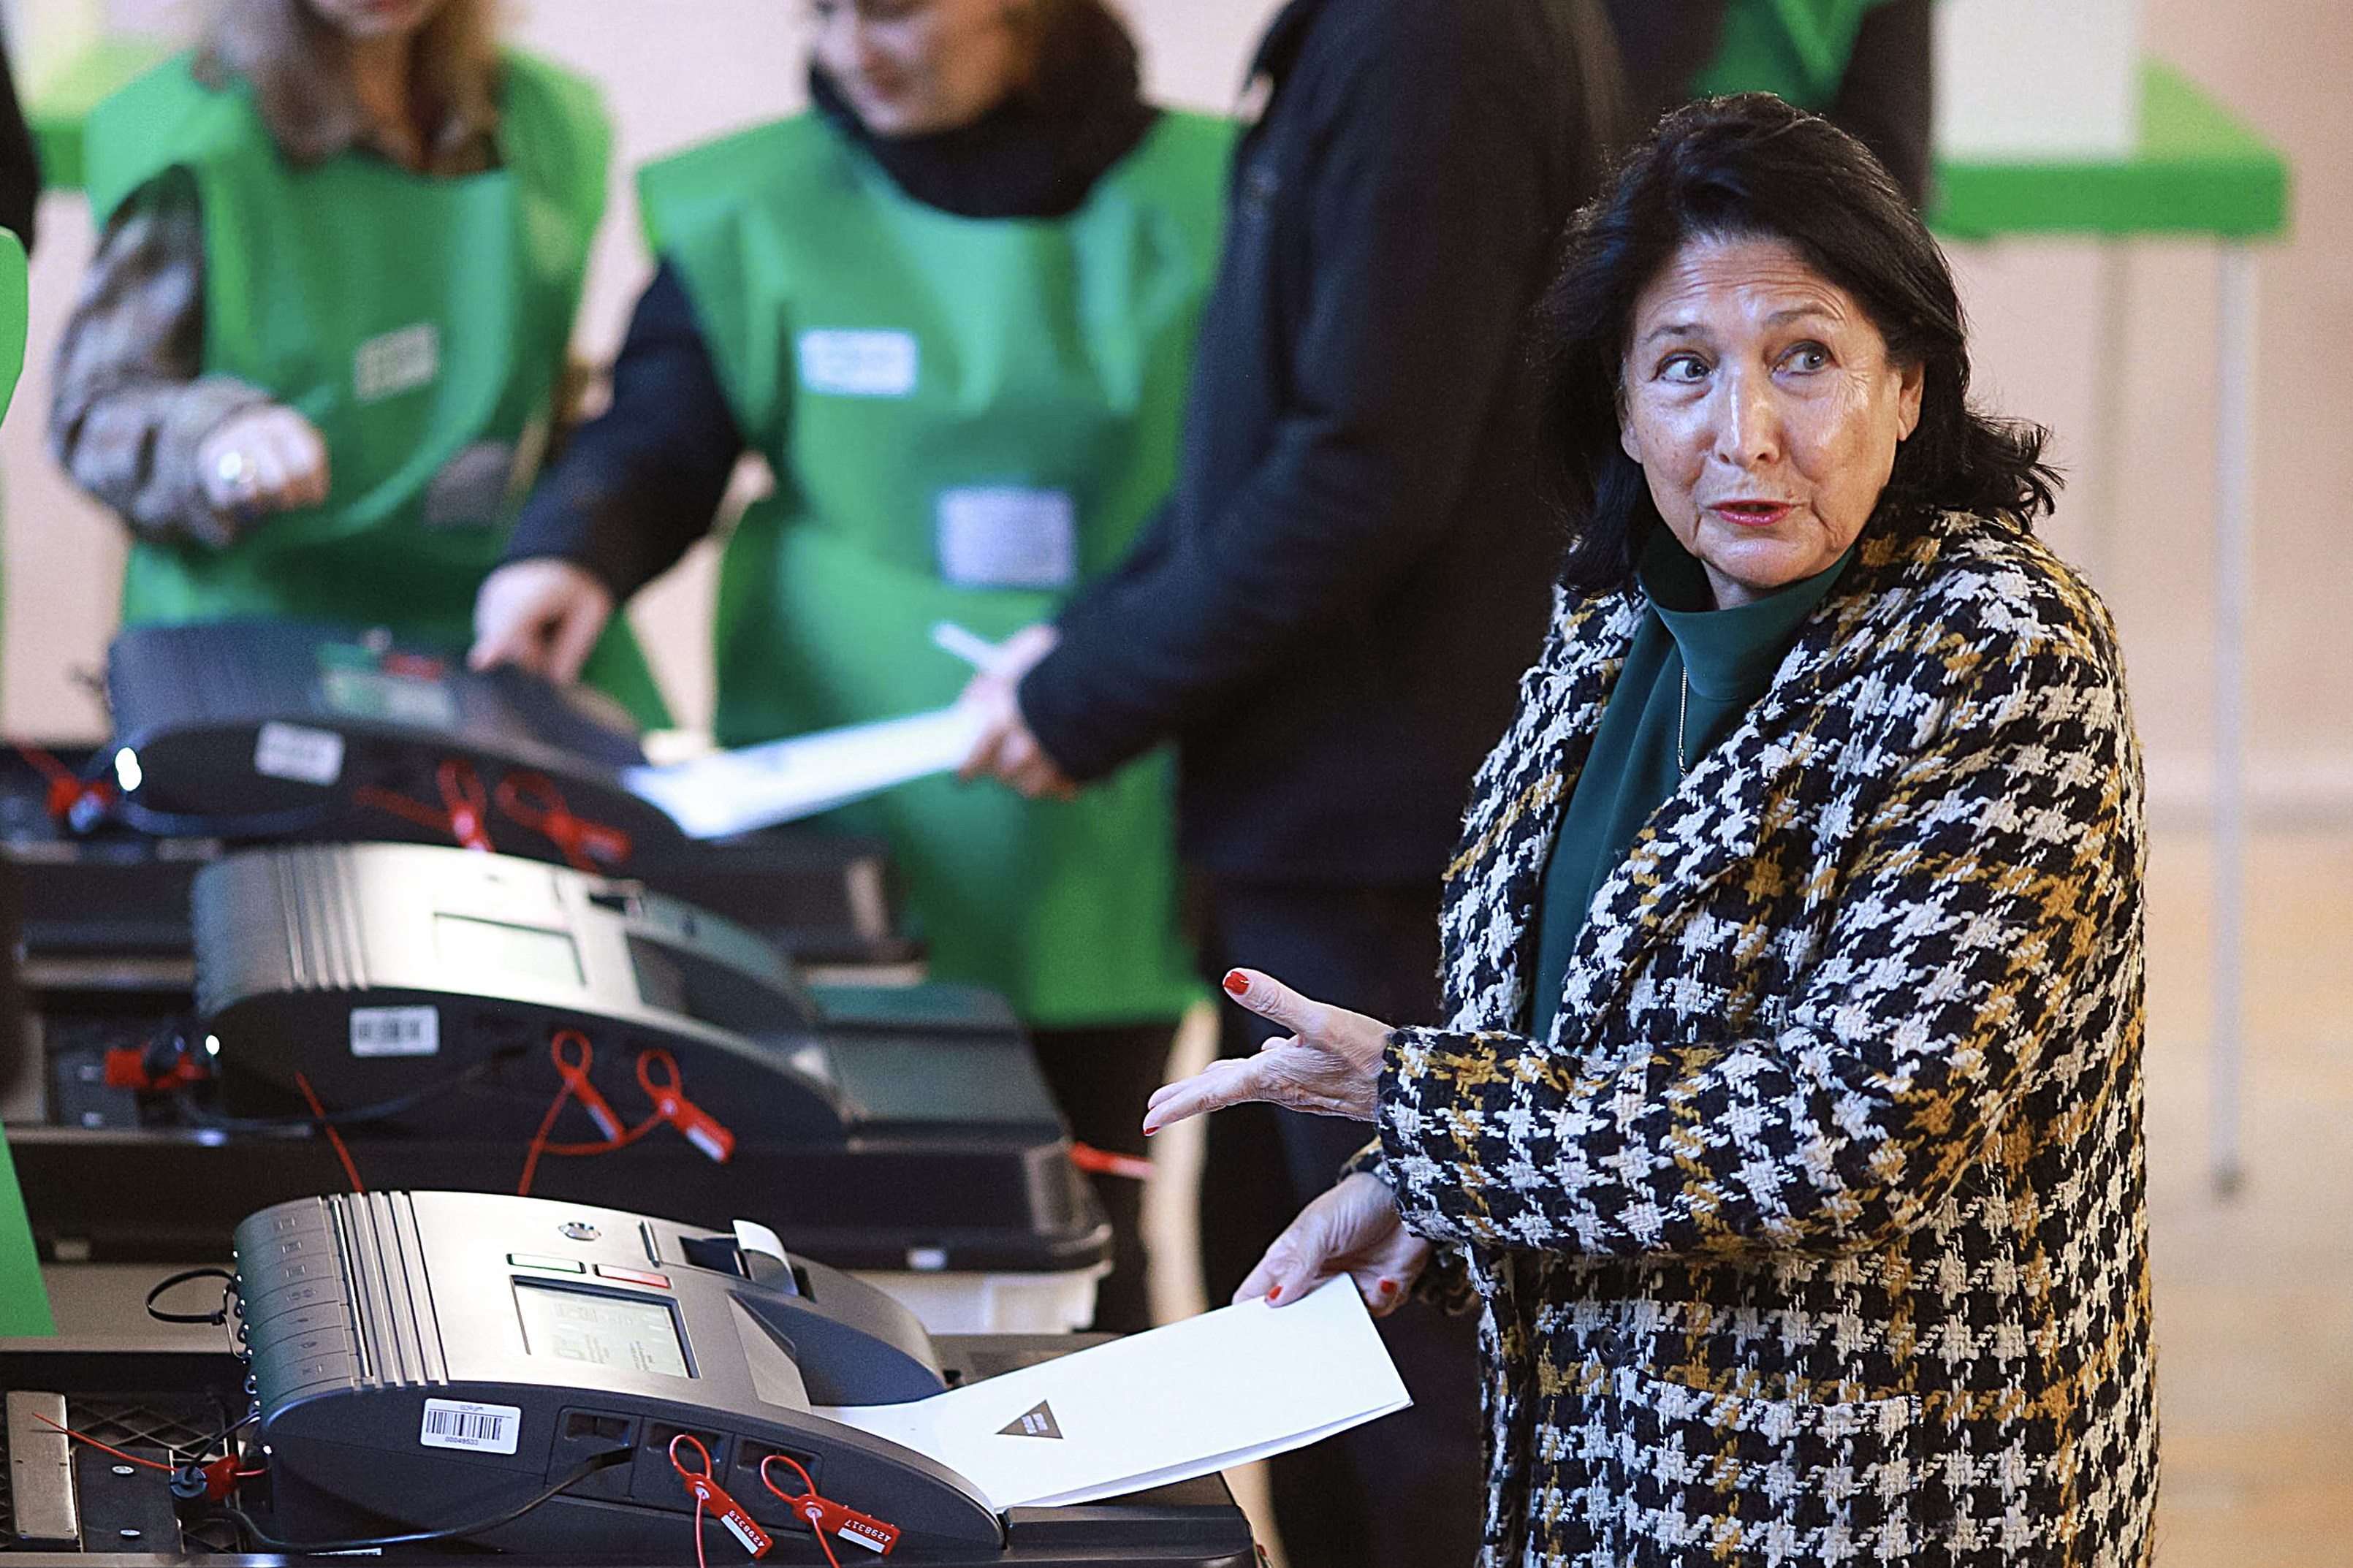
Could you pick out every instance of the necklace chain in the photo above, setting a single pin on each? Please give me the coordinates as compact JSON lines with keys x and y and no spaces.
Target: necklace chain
{"x":1683,"y":711}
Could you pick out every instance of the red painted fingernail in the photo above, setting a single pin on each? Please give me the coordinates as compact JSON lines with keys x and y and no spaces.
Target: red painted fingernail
{"x":1274,"y":1293}
{"x":1236,"y":981}
{"x":1388,"y":1286}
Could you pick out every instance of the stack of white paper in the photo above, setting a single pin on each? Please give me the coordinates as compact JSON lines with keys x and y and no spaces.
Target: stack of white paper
{"x":735,"y":792}
{"x":1222,"y":1389}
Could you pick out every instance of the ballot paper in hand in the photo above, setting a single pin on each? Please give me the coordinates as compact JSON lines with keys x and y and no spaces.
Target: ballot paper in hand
{"x":758,"y":786}
{"x":1219,"y":1390}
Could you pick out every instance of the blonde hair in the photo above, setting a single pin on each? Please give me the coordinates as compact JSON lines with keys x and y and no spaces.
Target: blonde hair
{"x":299,"y":64}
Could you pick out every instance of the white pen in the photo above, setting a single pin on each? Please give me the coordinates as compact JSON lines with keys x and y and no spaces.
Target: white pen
{"x":966,"y":644}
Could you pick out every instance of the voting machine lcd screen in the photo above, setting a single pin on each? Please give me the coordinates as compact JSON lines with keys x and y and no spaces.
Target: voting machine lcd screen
{"x":464,"y":941}
{"x":566,"y":1324}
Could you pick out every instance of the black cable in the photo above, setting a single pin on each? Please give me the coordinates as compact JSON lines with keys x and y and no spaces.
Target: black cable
{"x":603,"y":1461}
{"x":221,"y":1437}
{"x":380,"y":1111}
{"x":217,"y":1319}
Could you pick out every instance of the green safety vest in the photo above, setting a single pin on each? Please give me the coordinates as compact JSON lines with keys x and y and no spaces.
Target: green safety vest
{"x":419,"y":323}
{"x":1797,"y":50}
{"x":965,"y":418}
{"x":24,"y":1303}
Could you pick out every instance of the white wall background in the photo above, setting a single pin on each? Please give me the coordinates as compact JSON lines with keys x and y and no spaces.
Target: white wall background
{"x":679,"y":70}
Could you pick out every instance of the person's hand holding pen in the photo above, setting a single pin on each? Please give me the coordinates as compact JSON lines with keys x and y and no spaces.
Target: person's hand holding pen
{"x":1004,"y":749}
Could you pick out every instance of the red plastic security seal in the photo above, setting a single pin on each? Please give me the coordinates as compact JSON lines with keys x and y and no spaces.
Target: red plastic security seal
{"x":708,"y":1493}
{"x":701,"y":1128}
{"x":826,"y":1517}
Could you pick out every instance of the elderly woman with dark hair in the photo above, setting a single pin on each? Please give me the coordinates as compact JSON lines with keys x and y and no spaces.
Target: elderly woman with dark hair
{"x":1787,"y":1126}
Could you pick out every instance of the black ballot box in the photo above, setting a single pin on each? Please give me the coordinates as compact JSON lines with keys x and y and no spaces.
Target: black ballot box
{"x":70,"y":1501}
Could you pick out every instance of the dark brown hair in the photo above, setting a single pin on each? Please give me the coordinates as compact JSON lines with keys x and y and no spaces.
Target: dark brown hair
{"x":299,"y":64}
{"x":1070,"y":42}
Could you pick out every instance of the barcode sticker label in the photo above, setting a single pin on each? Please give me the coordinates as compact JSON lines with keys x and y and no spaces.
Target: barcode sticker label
{"x":299,"y":752}
{"x":479,"y":1428}
{"x":396,"y":1031}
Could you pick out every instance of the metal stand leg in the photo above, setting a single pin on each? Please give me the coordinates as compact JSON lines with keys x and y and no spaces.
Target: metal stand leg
{"x":2108,"y":389}
{"x":2235,"y":440}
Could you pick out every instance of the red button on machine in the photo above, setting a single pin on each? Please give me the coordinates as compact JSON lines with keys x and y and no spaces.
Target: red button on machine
{"x":634,"y":1276}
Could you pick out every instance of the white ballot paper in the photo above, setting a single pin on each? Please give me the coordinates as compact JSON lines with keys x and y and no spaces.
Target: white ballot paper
{"x":735,"y":792}
{"x":1222,"y":1389}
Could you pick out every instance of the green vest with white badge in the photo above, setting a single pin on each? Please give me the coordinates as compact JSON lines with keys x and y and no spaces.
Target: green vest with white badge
{"x":420,"y":322}
{"x":966,"y":419}
{"x":1796,"y":49}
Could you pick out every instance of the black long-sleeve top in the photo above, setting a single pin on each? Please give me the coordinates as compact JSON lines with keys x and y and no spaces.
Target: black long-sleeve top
{"x":640,"y":483}
{"x":1331,"y":614}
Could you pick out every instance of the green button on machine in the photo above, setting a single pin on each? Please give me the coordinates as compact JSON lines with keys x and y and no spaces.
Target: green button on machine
{"x":552,"y":1265}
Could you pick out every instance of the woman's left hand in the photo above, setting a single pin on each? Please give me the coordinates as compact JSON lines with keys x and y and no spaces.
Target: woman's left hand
{"x":1354,"y":1229}
{"x":1330,"y":1063}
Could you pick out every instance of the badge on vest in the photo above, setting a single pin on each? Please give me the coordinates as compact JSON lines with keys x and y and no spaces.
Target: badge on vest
{"x":393,"y":362}
{"x":843,"y":363}
{"x":1006,"y":537}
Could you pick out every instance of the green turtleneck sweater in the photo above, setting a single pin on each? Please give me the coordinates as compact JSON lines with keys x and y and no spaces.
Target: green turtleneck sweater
{"x":1729,"y":657}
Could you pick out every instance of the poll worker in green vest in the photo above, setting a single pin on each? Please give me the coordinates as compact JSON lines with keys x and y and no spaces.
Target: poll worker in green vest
{"x":953,"y":306}
{"x":1862,"y":64}
{"x":322,"y":349}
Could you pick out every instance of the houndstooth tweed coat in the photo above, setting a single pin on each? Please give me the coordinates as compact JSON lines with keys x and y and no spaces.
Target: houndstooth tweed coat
{"x":1814,"y":1234}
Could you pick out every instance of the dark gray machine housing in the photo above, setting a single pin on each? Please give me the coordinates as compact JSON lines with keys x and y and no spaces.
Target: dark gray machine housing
{"x":426,"y":1359}
{"x":875,"y":1126}
{"x":263,"y":729}
{"x":379,"y":971}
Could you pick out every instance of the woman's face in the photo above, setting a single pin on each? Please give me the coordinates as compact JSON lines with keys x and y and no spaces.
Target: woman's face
{"x":376,"y":18}
{"x":910,"y":67}
{"x":1759,"y":400}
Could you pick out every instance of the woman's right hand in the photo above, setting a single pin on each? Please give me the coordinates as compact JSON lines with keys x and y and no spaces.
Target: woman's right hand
{"x":263,"y":459}
{"x":1353,"y":1229}
{"x":544,"y":614}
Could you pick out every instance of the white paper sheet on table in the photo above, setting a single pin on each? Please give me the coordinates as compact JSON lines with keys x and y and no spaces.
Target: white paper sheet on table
{"x":757,"y":786}
{"x":1222,"y":1389}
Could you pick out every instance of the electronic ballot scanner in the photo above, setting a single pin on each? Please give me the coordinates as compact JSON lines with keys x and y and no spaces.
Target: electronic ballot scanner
{"x":423,"y":1362}
{"x":430,"y":983}
{"x":416,"y":1015}
{"x":261,"y":729}
{"x":385,"y":971}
